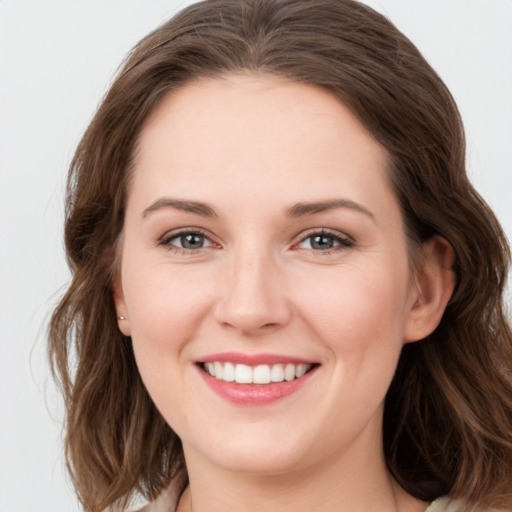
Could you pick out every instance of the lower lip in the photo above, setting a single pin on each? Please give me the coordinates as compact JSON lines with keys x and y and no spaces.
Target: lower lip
{"x":255,"y":394}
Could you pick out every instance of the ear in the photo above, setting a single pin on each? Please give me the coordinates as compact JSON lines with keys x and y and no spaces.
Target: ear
{"x":433,"y":285}
{"x":121,"y":312}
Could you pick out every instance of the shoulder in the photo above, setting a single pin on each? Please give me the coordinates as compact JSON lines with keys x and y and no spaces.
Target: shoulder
{"x":166,"y":502}
{"x":446,"y":504}
{"x":155,"y":506}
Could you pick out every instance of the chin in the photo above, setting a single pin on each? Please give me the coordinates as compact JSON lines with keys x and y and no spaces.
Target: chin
{"x":256,"y":455}
{"x":261,"y":464}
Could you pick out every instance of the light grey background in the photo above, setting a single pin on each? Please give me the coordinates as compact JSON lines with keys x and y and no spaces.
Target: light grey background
{"x":56,"y":61}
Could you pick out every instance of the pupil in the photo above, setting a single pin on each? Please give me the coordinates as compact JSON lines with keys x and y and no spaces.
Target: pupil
{"x":192,"y":241}
{"x":322,"y":242}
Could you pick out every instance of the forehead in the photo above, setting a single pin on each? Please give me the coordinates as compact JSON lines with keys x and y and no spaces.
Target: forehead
{"x":259,"y":132}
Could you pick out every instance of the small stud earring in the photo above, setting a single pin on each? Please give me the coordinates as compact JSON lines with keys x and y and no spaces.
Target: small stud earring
{"x":122,"y":318}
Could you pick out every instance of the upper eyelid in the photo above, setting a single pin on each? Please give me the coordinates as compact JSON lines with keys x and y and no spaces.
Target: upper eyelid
{"x":166,"y":239}
{"x":324,"y":231}
{"x":173,"y":233}
{"x":170,"y":235}
{"x":344,"y":242}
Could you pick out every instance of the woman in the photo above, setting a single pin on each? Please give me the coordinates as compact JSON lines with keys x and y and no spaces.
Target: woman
{"x":286,"y":293}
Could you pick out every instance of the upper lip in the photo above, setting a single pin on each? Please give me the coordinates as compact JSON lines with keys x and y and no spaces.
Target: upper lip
{"x":252,"y":359}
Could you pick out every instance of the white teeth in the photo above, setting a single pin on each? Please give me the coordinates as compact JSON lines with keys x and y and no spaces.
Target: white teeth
{"x":289,"y":372}
{"x":261,"y":374}
{"x":218,"y":369}
{"x":229,"y":372}
{"x":300,"y":370}
{"x":211,"y":369}
{"x":277,"y":373}
{"x":243,"y":374}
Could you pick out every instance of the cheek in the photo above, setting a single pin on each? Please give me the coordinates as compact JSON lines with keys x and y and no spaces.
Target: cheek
{"x":357,"y":307}
{"x":164,"y":306}
{"x":358,"y":315}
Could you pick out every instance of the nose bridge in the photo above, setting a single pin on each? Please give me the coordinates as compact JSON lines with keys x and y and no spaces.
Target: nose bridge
{"x":253,"y":298}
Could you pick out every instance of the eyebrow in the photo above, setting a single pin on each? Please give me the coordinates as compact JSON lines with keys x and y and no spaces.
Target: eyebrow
{"x":179,"y":204}
{"x":297,"y":210}
{"x":304,"y":209}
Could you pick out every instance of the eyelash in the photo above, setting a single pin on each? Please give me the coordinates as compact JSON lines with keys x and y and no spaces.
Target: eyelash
{"x":166,"y":240}
{"x":343,"y":241}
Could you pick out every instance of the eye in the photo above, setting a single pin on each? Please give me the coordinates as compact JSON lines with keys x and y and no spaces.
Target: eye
{"x":325,"y":241}
{"x":186,"y":241}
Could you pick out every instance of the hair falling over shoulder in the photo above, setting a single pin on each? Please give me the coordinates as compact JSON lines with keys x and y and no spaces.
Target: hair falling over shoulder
{"x":448,"y":413}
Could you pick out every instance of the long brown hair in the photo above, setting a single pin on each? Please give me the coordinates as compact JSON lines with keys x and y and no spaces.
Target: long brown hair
{"x":448,"y":412}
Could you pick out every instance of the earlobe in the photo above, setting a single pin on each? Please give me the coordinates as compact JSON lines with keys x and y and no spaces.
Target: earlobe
{"x":122,"y":314}
{"x":433,"y":286}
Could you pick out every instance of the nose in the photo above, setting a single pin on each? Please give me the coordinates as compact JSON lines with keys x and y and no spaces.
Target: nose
{"x":253,"y":298}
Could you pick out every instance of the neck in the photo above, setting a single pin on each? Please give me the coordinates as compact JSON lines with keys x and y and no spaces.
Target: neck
{"x":344,"y":482}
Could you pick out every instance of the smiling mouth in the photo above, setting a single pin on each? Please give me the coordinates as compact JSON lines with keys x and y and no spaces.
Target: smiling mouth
{"x":260,"y":374}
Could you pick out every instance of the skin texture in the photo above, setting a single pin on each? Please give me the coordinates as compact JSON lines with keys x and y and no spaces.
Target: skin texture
{"x":252,"y":148}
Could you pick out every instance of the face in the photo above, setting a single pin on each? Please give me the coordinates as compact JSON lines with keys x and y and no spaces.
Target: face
{"x":264,"y":274}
